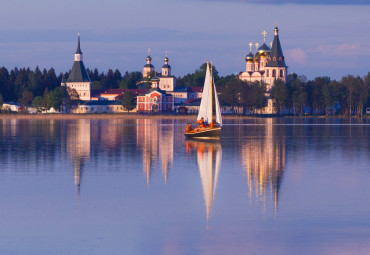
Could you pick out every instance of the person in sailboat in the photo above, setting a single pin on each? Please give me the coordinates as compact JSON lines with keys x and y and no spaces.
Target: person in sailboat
{"x":189,"y":128}
{"x":201,"y":123}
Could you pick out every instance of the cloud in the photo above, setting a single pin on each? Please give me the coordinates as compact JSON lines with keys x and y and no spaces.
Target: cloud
{"x":346,"y":49}
{"x":308,"y":2}
{"x":296,"y":55}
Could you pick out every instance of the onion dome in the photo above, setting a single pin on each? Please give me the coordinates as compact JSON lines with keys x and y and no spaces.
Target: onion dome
{"x":149,"y":58}
{"x":249,"y":57}
{"x":264,"y":49}
{"x":166,"y":59}
{"x":155,"y":78}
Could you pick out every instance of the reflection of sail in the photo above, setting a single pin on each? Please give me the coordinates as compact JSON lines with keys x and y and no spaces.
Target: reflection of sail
{"x":78,"y":147}
{"x":264,"y":159}
{"x":157,"y":142}
{"x":209,"y":157}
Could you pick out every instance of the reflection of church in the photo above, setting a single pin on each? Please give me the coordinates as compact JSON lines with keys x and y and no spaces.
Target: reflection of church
{"x":157,"y":144}
{"x":264,"y":159}
{"x":78,"y":146}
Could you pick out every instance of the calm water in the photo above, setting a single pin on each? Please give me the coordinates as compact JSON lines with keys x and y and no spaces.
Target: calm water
{"x":269,"y":186}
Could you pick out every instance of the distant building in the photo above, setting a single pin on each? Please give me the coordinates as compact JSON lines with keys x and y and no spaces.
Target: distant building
{"x":267,"y":65}
{"x":156,"y":100}
{"x":78,"y":79}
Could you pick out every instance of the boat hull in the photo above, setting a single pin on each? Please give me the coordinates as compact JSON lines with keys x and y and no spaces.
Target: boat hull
{"x":204,"y":133}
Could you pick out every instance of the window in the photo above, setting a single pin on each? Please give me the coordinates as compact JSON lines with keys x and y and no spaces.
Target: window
{"x":274,"y":73}
{"x":281,"y":73}
{"x":280,"y":59}
{"x":274,"y":58}
{"x":267,"y":73}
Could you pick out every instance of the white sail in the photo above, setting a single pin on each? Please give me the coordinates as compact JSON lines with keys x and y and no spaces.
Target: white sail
{"x":218,"y":109}
{"x":205,"y":109}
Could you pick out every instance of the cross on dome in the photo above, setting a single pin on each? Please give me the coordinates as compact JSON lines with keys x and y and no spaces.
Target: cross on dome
{"x":257,"y":44}
{"x":250,"y":46}
{"x":264,"y":33}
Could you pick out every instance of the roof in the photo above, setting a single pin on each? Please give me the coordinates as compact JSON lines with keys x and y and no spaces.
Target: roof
{"x":166,"y":66}
{"x":78,"y":73}
{"x":181,"y":89}
{"x":194,"y":102}
{"x":196,"y":89}
{"x":149,"y":65}
{"x":101,"y":102}
{"x":276,"y":54}
{"x":135,"y":92}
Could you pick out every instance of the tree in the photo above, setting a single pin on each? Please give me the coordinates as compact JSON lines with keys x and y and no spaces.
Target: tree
{"x":129,"y":80}
{"x":38,"y":103}
{"x":26,"y":98}
{"x":128,"y":102}
{"x":1,"y":101}
{"x":57,"y":98}
{"x":279,"y":92}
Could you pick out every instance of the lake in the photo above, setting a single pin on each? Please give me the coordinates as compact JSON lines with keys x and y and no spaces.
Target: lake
{"x":136,"y":186}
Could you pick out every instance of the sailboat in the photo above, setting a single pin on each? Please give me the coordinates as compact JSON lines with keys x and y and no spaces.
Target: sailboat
{"x":208,"y":106}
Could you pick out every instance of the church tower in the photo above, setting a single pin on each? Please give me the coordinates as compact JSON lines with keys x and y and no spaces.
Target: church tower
{"x":166,"y":81}
{"x":148,"y":67}
{"x":78,"y":79}
{"x":276,"y":67}
{"x":166,"y":68}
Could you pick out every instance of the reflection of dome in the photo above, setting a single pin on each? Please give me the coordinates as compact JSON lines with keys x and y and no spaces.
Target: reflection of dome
{"x":249,"y":57}
{"x":264,"y":49}
{"x":149,"y":58}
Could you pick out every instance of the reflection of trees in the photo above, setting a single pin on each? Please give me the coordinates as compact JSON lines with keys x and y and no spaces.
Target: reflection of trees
{"x":209,"y":156}
{"x":157,"y":143}
{"x":264,"y":158}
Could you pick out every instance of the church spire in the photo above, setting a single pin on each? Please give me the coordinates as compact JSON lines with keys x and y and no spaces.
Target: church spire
{"x":78,"y":51}
{"x":276,"y":57}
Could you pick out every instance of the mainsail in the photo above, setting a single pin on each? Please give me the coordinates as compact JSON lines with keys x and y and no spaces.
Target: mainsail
{"x":208,"y":97}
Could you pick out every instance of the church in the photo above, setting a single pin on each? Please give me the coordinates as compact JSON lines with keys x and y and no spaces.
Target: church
{"x":266,"y":65}
{"x":160,"y":97}
{"x":78,"y":79}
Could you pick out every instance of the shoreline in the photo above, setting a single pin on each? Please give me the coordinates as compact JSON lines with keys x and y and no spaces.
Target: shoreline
{"x":143,"y":116}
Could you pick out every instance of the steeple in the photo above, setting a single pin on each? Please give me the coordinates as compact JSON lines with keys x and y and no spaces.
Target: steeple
{"x":78,"y":54}
{"x":78,"y":72}
{"x":276,"y":57}
{"x":78,"y":45}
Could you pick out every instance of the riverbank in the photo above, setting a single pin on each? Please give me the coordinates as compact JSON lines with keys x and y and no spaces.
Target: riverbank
{"x":146,"y":116}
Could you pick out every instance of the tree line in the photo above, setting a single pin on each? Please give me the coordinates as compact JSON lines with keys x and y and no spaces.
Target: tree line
{"x":322,"y":96}
{"x":298,"y":96}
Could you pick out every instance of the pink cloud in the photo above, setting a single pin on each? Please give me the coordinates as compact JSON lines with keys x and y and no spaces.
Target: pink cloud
{"x":296,"y":55}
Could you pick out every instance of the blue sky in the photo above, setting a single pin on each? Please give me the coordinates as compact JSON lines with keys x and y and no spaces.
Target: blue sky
{"x":323,"y":38}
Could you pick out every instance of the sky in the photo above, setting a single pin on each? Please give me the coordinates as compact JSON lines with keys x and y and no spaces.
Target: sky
{"x":319,"y":38}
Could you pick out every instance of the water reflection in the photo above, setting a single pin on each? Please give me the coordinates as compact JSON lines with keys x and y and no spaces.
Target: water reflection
{"x":264,"y":157}
{"x":78,"y":138}
{"x":156,"y":142}
{"x":209,"y":156}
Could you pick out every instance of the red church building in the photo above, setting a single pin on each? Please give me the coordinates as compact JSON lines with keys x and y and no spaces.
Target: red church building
{"x":156,"y":100}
